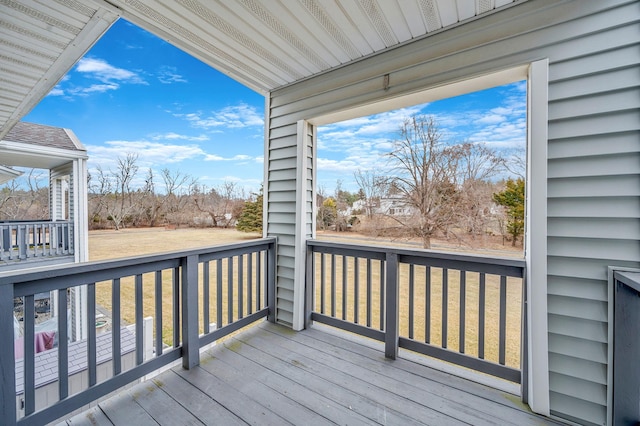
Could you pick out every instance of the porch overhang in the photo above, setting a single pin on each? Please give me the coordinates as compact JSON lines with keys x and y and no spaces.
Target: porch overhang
{"x":264,"y":47}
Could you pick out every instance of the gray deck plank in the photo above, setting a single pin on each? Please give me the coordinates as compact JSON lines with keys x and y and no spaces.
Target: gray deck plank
{"x":202,"y":406}
{"x":255,"y":389}
{"x":354,"y":401}
{"x":248,"y":410}
{"x":384,"y":397}
{"x":270,"y":375}
{"x":123,"y":410}
{"x":165,"y":410}
{"x":460,"y":404}
{"x":92,"y":417}
{"x":310,"y":397}
{"x":370,"y":350}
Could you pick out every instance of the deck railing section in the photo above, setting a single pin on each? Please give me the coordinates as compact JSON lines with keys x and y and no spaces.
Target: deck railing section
{"x":463,"y":309}
{"x":183,"y":291}
{"x":22,"y":240}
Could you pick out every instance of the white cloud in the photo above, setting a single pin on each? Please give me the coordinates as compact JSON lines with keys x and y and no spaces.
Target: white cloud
{"x":103,"y":71}
{"x":168,"y":75}
{"x":236,"y":116}
{"x":176,"y":136}
{"x":239,"y":157}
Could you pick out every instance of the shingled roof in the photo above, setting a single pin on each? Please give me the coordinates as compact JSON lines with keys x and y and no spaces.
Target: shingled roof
{"x":41,"y":135}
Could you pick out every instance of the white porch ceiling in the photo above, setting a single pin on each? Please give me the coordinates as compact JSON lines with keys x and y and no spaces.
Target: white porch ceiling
{"x":264,"y":44}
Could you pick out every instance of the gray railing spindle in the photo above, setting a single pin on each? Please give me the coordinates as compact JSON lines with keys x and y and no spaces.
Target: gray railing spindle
{"x":240,"y":286}
{"x":463,"y":307}
{"x":158,"y":311}
{"x":29,"y":355}
{"x":205,"y":296}
{"x":344,"y":287}
{"x":392,"y":315}
{"x":445,"y":305}
{"x":481,"y":314}
{"x":411,"y":310}
{"x":92,"y":349}
{"x":503,"y":320}
{"x":427,"y":305}
{"x":63,"y":345}
{"x":116,"y":349}
{"x":219,"y":293}
{"x":139,"y":321}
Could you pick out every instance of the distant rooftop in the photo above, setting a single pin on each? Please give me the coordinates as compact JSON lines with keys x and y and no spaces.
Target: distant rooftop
{"x":41,"y":135}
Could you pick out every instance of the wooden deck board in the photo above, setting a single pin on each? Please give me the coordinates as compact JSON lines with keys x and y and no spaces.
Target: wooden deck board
{"x":269,"y":374}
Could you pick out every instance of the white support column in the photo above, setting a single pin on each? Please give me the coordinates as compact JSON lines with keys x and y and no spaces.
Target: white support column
{"x":536,"y":238}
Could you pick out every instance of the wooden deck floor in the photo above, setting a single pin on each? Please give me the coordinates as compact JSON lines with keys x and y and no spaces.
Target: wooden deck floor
{"x":270,"y":375}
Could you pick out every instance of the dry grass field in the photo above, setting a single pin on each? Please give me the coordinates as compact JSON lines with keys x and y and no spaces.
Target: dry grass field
{"x":133,"y":242}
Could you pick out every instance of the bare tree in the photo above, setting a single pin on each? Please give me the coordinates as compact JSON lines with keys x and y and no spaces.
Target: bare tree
{"x":114,"y":190}
{"x":223,"y":204}
{"x":372,"y":186}
{"x":425,"y":175}
{"x":478,"y":165}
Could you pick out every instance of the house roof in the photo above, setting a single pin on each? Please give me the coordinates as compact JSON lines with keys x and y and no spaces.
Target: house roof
{"x":39,"y":146}
{"x":45,"y":136}
{"x":264,"y":45}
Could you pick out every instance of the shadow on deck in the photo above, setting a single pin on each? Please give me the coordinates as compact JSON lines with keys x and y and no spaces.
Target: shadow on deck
{"x":269,"y":374}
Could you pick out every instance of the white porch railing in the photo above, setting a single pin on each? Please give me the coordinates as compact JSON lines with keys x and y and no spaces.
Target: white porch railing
{"x":22,"y":240}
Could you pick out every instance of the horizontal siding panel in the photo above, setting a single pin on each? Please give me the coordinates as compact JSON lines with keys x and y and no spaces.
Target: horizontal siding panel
{"x":617,"y":229}
{"x":282,"y":186}
{"x":576,"y":307}
{"x":285,"y":261}
{"x":283,"y":218}
{"x":285,"y":239}
{"x":615,"y":184}
{"x":578,"y":348}
{"x":577,"y":410}
{"x":584,"y":329}
{"x":607,"y":144}
{"x":578,"y":268}
{"x":625,"y":121}
{"x":285,"y":317}
{"x":283,"y":132}
{"x":285,"y":277}
{"x":593,"y":93}
{"x":615,"y":250}
{"x":578,"y":388}
{"x":280,"y":153}
{"x":282,"y":207}
{"x":281,"y":228}
{"x":579,"y":287}
{"x":286,"y":296}
{"x":597,"y":63}
{"x":281,"y":196}
{"x":286,"y":174}
{"x":282,"y":164}
{"x":285,"y":250}
{"x":599,"y":207}
{"x":588,"y":370}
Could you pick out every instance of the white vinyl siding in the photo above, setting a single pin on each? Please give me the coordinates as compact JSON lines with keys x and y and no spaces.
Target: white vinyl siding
{"x":593,"y":185}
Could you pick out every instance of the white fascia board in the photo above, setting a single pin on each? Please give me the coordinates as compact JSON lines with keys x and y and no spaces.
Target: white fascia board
{"x":72,"y":136}
{"x":7,"y":174}
{"x":38,"y":151}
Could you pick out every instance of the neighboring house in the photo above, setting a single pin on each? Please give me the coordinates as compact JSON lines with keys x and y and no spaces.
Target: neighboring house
{"x":63,"y":237}
{"x":317,"y":65}
{"x":389,"y":206}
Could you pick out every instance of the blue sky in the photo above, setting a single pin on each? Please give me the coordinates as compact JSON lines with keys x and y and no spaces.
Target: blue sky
{"x":134,"y":93}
